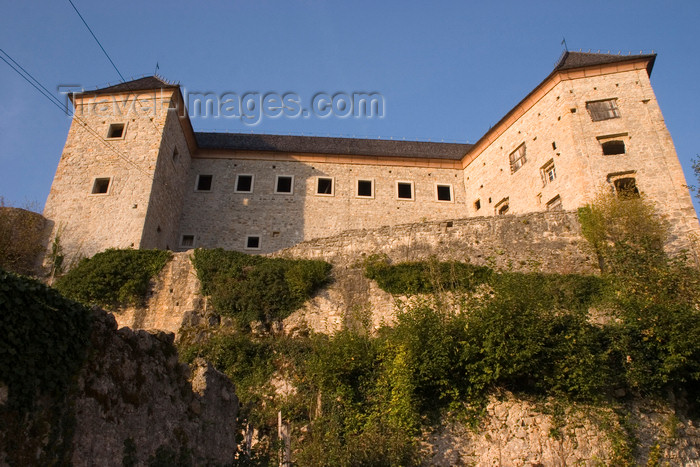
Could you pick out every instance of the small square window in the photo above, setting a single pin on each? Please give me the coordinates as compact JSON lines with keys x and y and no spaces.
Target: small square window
{"x":115,"y":131}
{"x":284,"y":184}
{"x":244,"y":183}
{"x":252,"y":242}
{"x":187,"y":241}
{"x":176,"y":155}
{"x":477,"y":204}
{"x":554,"y":204}
{"x":517,"y":158}
{"x":548,"y":173}
{"x":444,"y":192}
{"x":404,"y":190}
{"x":613,"y":147}
{"x":365,"y":188}
{"x":204,"y":182}
{"x":603,"y":110}
{"x":324,"y":186}
{"x":100,"y":186}
{"x":626,"y":187}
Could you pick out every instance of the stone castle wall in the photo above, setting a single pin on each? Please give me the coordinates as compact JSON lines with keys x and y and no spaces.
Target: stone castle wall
{"x":224,"y":218}
{"x":152,"y":201}
{"x":542,"y":241}
{"x":89,"y":223}
{"x":559,"y":128}
{"x":168,"y":188}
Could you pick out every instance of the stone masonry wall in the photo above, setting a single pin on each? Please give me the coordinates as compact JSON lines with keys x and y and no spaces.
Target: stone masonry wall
{"x":545,"y":241}
{"x":559,"y":128}
{"x":89,"y":223}
{"x":168,"y":189}
{"x":542,"y":242}
{"x":223,"y":218}
{"x":175,"y":293}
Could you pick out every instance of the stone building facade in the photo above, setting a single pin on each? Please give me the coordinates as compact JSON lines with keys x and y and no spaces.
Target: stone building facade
{"x":134,"y":173}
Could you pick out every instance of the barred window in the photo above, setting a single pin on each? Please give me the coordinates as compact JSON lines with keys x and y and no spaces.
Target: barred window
{"x":517,"y":158}
{"x":603,"y":110}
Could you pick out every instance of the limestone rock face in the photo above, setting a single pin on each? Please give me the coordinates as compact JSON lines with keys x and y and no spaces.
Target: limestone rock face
{"x":518,"y":432}
{"x":136,"y":401}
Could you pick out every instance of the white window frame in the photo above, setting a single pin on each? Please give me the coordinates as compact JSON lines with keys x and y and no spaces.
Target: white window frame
{"x":116,"y":138}
{"x":357,"y":188}
{"x":452,"y":193}
{"x":194,"y":241}
{"x":196,"y":183}
{"x":252,"y":183}
{"x":332,"y":179}
{"x":545,"y":173}
{"x":413,"y":190}
{"x":289,"y":193}
{"x":247,"y":237}
{"x":109,"y":186}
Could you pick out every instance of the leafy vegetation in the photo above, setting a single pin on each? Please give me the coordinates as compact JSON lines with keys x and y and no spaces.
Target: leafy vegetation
{"x":44,"y":339}
{"x":363,"y":400}
{"x":256,"y":288}
{"x":423,"y":278}
{"x":113,"y":278}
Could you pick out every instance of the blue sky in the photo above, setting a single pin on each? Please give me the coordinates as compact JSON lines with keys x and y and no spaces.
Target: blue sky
{"x":447,"y":70}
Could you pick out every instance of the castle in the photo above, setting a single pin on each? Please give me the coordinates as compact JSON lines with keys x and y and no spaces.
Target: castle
{"x":134,"y":173}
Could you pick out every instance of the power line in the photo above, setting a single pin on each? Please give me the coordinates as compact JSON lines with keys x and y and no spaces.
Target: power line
{"x":128,"y":86}
{"x":97,"y":40}
{"x":47,"y":94}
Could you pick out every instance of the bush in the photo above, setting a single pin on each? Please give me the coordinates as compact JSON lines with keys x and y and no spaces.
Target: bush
{"x":246,"y":361}
{"x":21,"y":240}
{"x":425,"y":277}
{"x":256,"y":288}
{"x":44,"y":339}
{"x":113,"y":278}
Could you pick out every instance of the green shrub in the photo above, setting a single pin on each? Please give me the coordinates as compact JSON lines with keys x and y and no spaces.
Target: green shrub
{"x":44,"y":339}
{"x":425,"y":277}
{"x":256,"y":288}
{"x":248,"y":362}
{"x":114,"y":277}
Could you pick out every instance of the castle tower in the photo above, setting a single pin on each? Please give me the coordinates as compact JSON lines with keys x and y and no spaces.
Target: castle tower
{"x":121,"y":177}
{"x":593,"y":124}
